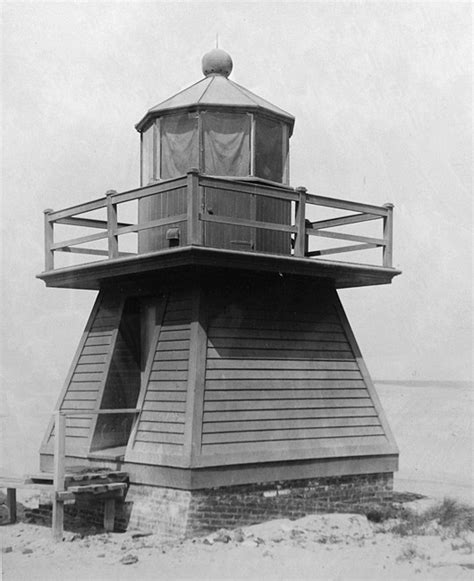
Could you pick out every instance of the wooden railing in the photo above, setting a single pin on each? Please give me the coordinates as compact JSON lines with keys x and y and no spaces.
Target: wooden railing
{"x":301,"y":229}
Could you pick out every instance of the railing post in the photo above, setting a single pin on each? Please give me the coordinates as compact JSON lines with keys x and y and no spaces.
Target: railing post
{"x":112,"y":225}
{"x":300,"y":223}
{"x":193,"y":207}
{"x":59,"y":474}
{"x":48,"y":241}
{"x":388,"y":236}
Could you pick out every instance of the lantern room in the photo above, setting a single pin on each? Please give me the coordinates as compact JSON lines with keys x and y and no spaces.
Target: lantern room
{"x":218,"y":127}
{"x":223,"y":130}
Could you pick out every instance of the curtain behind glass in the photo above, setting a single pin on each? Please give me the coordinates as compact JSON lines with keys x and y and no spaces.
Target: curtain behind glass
{"x":269,"y":149}
{"x":226,"y":144}
{"x":179,"y":145}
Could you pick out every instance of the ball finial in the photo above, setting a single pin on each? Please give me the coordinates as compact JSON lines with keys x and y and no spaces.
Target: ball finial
{"x":217,"y":62}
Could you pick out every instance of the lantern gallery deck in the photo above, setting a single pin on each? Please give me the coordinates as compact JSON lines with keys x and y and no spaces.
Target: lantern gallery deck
{"x":217,"y":222}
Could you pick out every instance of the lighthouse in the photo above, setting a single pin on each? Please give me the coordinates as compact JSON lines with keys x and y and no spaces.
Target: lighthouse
{"x":218,"y":368}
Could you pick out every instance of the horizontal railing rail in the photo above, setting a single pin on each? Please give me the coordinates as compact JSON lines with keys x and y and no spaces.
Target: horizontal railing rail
{"x":301,"y":229}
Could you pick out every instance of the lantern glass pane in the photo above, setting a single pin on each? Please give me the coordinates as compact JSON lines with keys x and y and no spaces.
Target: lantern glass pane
{"x":226,"y":143}
{"x":147,"y":155}
{"x":269,"y":149}
{"x":179,"y":145}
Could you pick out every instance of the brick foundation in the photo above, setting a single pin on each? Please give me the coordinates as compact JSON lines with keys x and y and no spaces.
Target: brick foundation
{"x":231,"y":507}
{"x":177,"y":514}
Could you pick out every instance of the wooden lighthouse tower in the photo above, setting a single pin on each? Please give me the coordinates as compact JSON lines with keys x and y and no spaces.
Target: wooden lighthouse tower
{"x":218,"y":353}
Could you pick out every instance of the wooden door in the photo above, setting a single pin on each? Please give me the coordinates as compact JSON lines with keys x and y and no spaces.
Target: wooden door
{"x":231,"y":205}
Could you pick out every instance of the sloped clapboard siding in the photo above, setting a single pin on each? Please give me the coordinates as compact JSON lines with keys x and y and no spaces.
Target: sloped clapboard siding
{"x":88,"y":374}
{"x":161,"y":424}
{"x":281,"y":375}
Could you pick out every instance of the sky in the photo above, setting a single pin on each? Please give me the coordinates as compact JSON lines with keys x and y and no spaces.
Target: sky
{"x":382,"y":96}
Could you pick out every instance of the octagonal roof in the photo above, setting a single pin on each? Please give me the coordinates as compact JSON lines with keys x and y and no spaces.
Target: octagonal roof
{"x":216,"y":90}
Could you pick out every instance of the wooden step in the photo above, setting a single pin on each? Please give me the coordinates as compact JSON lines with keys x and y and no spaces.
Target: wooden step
{"x":17,"y":482}
{"x":76,"y":477}
{"x":117,"y":488}
{"x":103,"y":477}
{"x":41,"y":478}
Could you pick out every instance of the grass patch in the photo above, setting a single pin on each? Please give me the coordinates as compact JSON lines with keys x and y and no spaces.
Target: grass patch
{"x":379,"y":513}
{"x":409,"y":553}
{"x":449,"y":514}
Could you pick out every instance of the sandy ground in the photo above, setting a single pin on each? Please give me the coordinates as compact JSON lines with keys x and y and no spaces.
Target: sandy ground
{"x":329,"y":547}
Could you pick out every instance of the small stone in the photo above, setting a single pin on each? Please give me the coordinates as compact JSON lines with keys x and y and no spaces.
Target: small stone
{"x":129,"y":559}
{"x":139,"y":535}
{"x":7,"y":549}
{"x":101,"y":555}
{"x":27,"y":551}
{"x":222,"y":536}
